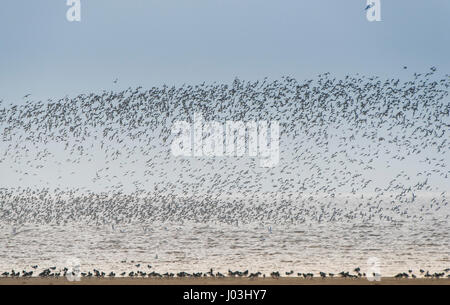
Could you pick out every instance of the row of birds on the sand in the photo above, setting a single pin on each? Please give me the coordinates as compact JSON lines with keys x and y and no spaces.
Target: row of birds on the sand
{"x":335,"y":134}
{"x":357,"y":273}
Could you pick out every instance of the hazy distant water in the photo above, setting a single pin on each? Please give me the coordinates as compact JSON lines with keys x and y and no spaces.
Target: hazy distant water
{"x":331,"y":247}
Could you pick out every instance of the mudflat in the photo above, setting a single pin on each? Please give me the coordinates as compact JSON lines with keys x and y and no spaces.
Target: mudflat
{"x":221,"y":281}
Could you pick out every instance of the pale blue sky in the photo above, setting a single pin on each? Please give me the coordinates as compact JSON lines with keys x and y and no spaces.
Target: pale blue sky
{"x":151,"y":42}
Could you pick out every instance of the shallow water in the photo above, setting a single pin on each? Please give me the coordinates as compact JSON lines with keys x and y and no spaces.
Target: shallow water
{"x":331,"y":247}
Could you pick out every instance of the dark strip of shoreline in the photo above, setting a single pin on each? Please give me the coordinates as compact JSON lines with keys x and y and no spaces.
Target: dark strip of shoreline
{"x":221,"y":281}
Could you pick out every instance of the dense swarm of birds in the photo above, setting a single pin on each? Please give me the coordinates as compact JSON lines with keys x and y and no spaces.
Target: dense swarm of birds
{"x":335,"y":133}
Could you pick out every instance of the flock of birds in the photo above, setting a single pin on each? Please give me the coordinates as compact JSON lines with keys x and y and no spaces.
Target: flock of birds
{"x":356,"y":148}
{"x":51,"y":272}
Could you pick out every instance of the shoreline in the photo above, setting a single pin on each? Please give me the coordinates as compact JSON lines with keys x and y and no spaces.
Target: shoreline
{"x":221,"y":281}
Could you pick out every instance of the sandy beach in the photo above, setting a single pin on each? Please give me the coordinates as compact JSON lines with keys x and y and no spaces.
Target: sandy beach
{"x":222,"y":281}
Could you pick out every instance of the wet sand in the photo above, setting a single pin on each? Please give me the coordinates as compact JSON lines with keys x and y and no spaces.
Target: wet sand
{"x":221,"y":281}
